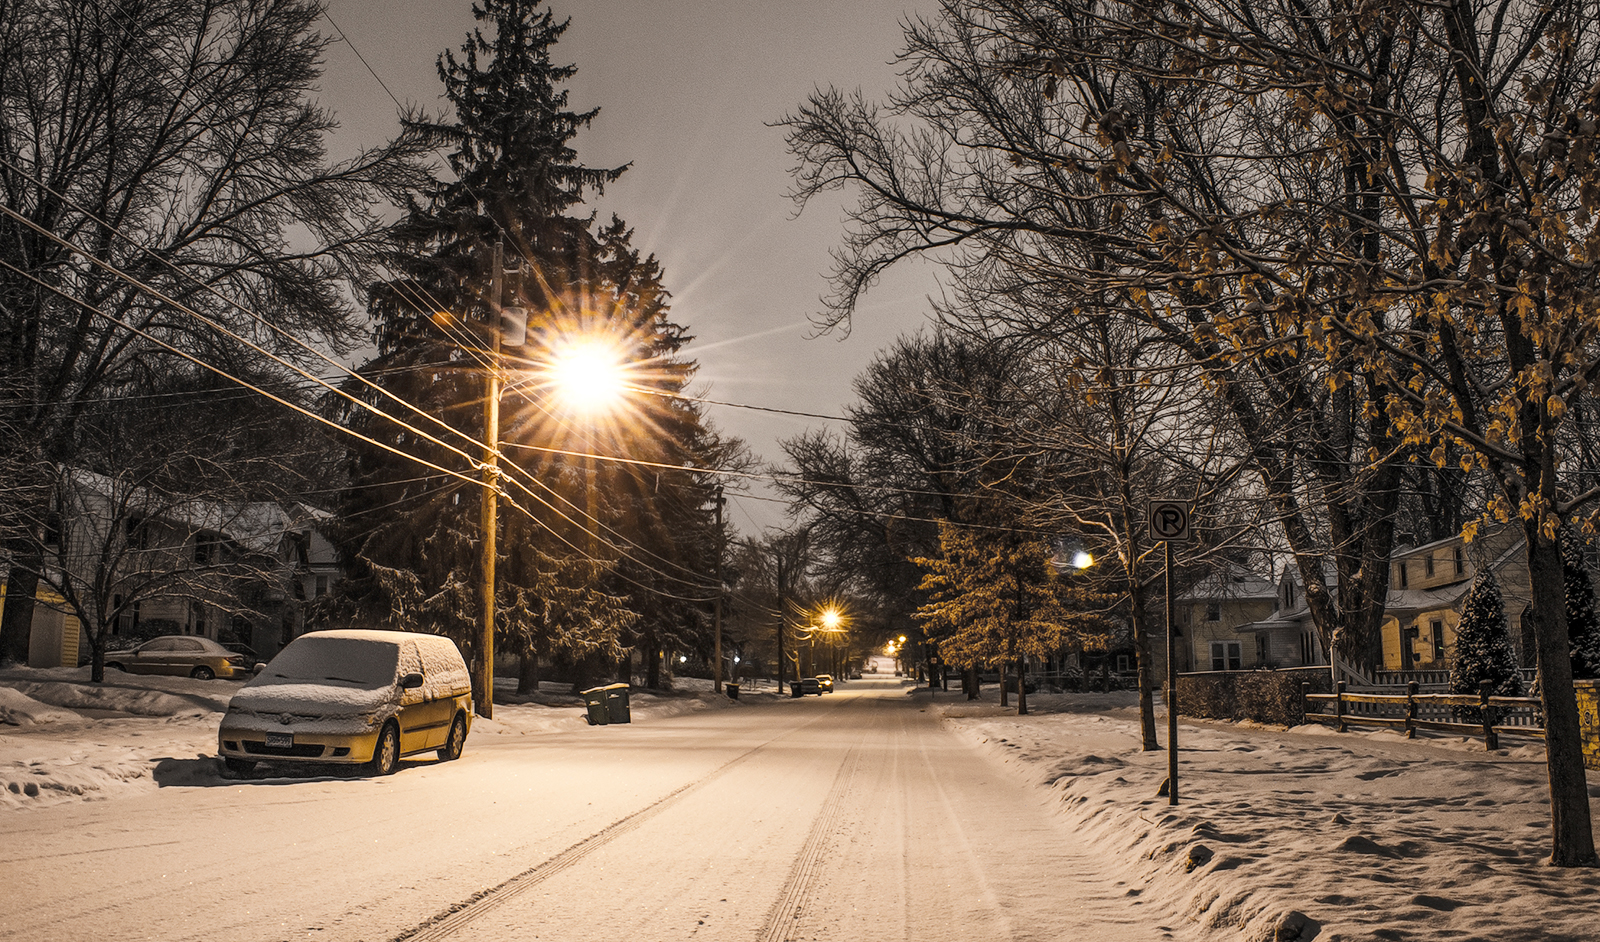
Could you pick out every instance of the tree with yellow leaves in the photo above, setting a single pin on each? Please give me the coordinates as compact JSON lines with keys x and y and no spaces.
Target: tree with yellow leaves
{"x":995,"y":599}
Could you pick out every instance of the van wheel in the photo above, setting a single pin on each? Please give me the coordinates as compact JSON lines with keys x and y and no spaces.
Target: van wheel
{"x":202,"y":673}
{"x":386,"y":755}
{"x":116,"y":666}
{"x":457,"y":741}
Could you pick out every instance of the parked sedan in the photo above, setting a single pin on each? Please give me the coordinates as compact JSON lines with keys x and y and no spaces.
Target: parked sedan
{"x":183,"y":655}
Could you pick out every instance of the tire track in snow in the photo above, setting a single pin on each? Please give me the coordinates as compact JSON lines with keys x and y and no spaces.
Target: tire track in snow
{"x":460,"y":915}
{"x":785,"y":919}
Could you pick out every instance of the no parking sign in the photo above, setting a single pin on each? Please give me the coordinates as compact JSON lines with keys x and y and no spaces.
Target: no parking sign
{"x":1169,"y":520}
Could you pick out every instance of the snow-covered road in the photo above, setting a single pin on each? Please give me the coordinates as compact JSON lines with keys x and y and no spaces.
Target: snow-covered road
{"x":858,"y":815}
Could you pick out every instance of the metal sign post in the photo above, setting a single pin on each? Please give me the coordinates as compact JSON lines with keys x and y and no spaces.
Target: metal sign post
{"x":1169,"y":523}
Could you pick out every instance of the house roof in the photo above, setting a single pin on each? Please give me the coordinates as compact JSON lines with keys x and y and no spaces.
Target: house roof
{"x":256,"y":525}
{"x":1230,"y":585}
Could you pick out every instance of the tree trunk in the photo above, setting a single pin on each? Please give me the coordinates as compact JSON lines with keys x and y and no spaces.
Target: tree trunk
{"x":1571,"y":835}
{"x":1141,"y":650}
{"x":1022,"y":688}
{"x":528,"y":671}
{"x":1005,"y":698}
{"x":22,"y":583}
{"x":973,"y":683}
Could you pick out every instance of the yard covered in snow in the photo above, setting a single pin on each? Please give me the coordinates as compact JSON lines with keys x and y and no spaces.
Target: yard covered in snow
{"x":1356,"y":835}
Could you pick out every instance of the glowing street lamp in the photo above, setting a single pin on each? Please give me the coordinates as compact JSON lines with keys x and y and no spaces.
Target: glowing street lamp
{"x":589,"y":375}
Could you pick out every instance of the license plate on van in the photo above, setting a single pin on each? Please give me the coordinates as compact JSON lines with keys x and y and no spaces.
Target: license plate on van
{"x":280,"y":740}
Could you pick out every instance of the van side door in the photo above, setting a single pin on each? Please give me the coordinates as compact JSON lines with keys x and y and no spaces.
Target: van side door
{"x":413,"y":717}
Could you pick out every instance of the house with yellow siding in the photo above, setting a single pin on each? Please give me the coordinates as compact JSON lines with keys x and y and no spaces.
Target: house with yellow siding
{"x":1429,"y":583}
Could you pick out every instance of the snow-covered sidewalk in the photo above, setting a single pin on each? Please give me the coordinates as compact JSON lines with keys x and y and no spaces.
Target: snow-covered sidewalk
{"x":1303,"y":833}
{"x":63,"y":738}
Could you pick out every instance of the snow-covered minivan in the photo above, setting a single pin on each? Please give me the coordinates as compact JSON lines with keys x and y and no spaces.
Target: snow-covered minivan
{"x":351,"y":696}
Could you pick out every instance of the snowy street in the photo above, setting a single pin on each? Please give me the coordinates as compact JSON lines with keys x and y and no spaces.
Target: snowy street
{"x":848,"y":816}
{"x":879,"y":812}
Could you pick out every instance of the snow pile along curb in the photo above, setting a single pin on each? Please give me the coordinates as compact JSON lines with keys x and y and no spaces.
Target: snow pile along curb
{"x":1293,"y":834}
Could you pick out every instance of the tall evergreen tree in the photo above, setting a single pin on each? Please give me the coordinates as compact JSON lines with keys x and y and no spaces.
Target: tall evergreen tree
{"x":1483,"y":646}
{"x":1583,"y":624}
{"x":410,"y":538}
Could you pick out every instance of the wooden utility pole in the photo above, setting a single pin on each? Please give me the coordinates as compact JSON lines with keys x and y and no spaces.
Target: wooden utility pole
{"x":483,"y":695}
{"x":779,"y":552}
{"x":716,"y":672}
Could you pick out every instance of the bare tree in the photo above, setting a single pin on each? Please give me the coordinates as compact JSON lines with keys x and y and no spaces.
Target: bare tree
{"x":1370,"y":224}
{"x":165,"y":185}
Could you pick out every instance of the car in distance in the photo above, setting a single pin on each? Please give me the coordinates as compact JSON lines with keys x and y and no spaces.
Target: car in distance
{"x":810,"y":685}
{"x":250,"y":654}
{"x":181,"y":655}
{"x":352,"y":697}
{"x":825,"y":683}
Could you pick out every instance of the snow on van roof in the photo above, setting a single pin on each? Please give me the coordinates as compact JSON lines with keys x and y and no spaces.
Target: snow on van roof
{"x":380,"y":634}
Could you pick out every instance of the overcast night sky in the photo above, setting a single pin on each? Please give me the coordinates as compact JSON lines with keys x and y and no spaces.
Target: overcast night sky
{"x":686,"y":89}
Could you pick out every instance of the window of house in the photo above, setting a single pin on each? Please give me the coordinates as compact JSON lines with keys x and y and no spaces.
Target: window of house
{"x":1308,"y":654}
{"x":322,"y":586}
{"x":1400,"y":574}
{"x":1226,"y":656}
{"x":1460,"y":560}
{"x":1437,"y":627}
{"x":1122,"y":664}
{"x":197,"y":613}
{"x":1213,"y":611}
{"x":1261,"y":650}
{"x":202,"y":550}
{"x":1427,"y":563}
{"x":1408,"y":650}
{"x":138,"y":535}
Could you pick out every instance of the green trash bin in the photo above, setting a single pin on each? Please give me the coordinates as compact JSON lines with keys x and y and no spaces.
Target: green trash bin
{"x":617,"y":703}
{"x":594,"y":700}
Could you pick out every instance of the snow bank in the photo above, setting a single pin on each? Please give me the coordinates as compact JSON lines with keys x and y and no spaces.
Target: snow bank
{"x":1298,"y":834}
{"x":142,"y":732}
{"x":19,"y":709}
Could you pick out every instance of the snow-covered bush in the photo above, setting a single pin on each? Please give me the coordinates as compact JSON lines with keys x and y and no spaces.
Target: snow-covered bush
{"x":1483,"y":647}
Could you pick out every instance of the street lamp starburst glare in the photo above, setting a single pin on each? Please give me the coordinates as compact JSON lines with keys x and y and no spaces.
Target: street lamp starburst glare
{"x":588,"y":375}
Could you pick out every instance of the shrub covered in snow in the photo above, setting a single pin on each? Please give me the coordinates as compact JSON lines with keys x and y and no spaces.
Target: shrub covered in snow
{"x":1483,"y":647}
{"x":1583,"y":625}
{"x":1262,"y":696}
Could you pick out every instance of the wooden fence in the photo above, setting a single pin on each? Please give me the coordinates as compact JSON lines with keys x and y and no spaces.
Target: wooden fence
{"x":1412,"y":711}
{"x":1435,"y":681}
